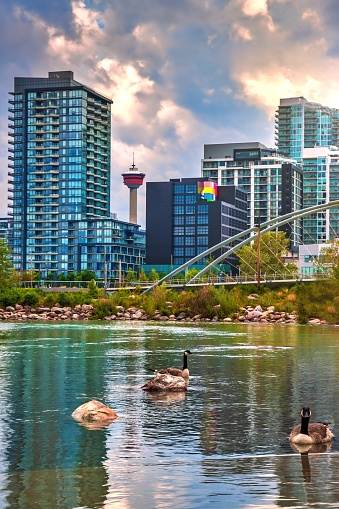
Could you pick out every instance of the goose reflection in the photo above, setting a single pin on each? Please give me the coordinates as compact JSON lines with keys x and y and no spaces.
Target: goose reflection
{"x":304,"y":450}
{"x":166,"y":398}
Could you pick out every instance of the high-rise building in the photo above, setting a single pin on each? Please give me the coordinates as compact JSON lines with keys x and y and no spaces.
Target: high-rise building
{"x":185,"y":217}
{"x":321,"y":185}
{"x":59,"y":172}
{"x":272,"y":181}
{"x":302,"y":124}
{"x":309,"y":132}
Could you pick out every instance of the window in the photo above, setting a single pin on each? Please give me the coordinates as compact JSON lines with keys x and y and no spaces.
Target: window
{"x":191,"y":198}
{"x":178,"y":209}
{"x":179,"y":199}
{"x":202,"y":229}
{"x":178,"y":241}
{"x":179,"y":189}
{"x":202,"y":241}
{"x":190,"y":251}
{"x":190,"y":220}
{"x":202,"y":220}
{"x":178,"y":251}
{"x":203,"y":209}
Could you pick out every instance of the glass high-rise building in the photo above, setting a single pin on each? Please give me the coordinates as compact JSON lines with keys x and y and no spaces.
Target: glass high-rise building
{"x":321,"y":185}
{"x":309,"y":133}
{"x":59,"y":172}
{"x":302,"y":124}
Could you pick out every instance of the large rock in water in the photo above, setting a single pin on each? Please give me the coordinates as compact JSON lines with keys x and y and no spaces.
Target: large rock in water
{"x":94,"y":411}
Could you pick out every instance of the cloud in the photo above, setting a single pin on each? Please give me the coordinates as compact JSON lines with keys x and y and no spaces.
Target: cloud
{"x":181,"y":73}
{"x":260,"y":88}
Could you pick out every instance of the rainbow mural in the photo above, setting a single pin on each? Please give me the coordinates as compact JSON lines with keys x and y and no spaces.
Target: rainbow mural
{"x":208,"y":190}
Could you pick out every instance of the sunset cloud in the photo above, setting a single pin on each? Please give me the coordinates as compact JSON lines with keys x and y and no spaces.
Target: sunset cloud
{"x":180,"y":73}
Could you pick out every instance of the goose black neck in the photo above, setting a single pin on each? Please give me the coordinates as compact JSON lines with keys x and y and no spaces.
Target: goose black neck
{"x":304,"y":425}
{"x":185,"y":362}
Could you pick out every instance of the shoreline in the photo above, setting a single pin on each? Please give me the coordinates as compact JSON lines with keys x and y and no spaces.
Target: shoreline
{"x":84,"y":312}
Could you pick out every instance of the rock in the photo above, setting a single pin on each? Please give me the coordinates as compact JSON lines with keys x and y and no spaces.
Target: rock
{"x":57,"y":310}
{"x":94,"y":411}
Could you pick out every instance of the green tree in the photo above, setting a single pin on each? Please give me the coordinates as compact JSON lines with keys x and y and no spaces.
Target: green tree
{"x":273,"y":247}
{"x":143,"y":276}
{"x":85,"y":275}
{"x":329,"y":259}
{"x":190,"y":273}
{"x":130,"y":276}
{"x":6,"y":265}
{"x":92,"y":289}
{"x":153,"y":275}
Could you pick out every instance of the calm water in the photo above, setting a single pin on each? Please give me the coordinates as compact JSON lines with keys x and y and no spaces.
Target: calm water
{"x":223,"y":444}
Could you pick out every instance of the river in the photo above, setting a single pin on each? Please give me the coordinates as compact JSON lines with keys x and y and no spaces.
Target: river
{"x":223,"y":444}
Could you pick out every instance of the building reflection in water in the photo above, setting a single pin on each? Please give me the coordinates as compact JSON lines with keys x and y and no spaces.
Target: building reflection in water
{"x":52,"y":461}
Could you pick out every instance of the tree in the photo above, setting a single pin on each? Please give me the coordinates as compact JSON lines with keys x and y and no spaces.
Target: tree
{"x":143,"y":276}
{"x":329,"y":259}
{"x":6,"y":265}
{"x":153,"y":275}
{"x":130,"y":276}
{"x":273,"y":247}
{"x":92,"y":289}
{"x":85,"y":275}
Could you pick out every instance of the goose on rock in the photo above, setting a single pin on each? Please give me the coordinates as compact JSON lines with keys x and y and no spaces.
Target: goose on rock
{"x":166,"y":382}
{"x":184,"y":372}
{"x":310,"y":433}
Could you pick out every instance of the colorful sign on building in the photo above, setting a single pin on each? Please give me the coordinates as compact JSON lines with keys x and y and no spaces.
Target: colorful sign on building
{"x":208,"y":190}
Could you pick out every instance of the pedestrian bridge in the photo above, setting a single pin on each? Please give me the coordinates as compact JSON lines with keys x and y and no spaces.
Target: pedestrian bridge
{"x":248,"y":236}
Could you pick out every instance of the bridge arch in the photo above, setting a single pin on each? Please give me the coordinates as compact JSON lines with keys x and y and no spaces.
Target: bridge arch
{"x":265,"y":227}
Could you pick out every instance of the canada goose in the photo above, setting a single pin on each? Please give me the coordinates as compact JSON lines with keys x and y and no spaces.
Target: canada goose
{"x":175,"y":371}
{"x":314,"y":433}
{"x":165,"y":382}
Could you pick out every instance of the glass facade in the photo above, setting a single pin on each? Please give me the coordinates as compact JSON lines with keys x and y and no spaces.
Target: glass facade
{"x":321,"y":185}
{"x":59,"y":166}
{"x":302,"y":124}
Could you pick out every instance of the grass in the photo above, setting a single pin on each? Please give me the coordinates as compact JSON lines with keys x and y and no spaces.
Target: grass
{"x":312,"y":300}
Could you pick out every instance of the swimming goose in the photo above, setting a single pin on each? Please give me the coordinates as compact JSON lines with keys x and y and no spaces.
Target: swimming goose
{"x":314,"y":433}
{"x":184,"y":372}
{"x":165,"y":382}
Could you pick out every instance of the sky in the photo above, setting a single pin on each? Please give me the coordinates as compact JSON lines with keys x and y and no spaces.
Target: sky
{"x":181,"y":73}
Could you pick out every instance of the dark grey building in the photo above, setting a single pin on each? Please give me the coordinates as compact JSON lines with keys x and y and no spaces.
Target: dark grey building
{"x":185,"y":217}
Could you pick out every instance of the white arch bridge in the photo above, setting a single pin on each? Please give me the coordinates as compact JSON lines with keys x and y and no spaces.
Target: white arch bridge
{"x":250,"y":234}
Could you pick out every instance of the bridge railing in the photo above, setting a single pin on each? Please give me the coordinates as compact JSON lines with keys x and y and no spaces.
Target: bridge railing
{"x":178,"y":282}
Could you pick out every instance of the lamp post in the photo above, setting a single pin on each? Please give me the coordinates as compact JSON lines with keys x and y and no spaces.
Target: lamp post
{"x":105,"y":270}
{"x":258,"y":258}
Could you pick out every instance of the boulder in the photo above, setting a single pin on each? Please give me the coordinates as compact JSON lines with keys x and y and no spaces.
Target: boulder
{"x":93,"y":411}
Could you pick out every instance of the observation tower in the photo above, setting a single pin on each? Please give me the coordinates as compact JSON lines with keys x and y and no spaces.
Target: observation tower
{"x":133,"y":179}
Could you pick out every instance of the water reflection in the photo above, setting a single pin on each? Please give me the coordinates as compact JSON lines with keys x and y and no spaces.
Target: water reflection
{"x":166,"y":398}
{"x":224,"y":441}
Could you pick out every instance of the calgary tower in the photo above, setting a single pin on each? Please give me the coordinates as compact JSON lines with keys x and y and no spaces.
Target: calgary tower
{"x":133,"y":179}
